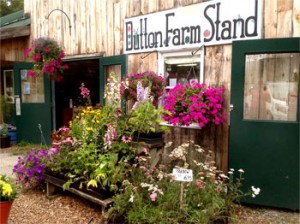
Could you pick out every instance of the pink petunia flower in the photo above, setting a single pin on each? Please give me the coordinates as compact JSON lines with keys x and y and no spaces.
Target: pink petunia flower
{"x":153,"y":196}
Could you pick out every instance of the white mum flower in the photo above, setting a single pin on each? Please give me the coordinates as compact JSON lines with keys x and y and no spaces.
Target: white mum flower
{"x":131,"y":198}
{"x":223,"y":176}
{"x":241,"y":171}
{"x":255,"y":191}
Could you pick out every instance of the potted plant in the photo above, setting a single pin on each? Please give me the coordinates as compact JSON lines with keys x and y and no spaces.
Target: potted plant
{"x":194,"y":103}
{"x":8,"y":193}
{"x":145,"y":116}
{"x":155,"y":82}
{"x":46,"y":55}
{"x":5,"y":110}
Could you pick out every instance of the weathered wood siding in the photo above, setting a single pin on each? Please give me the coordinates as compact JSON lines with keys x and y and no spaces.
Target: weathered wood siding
{"x":13,"y":49}
{"x":97,"y":26}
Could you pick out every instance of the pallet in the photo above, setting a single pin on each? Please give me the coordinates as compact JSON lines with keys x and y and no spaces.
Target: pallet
{"x":54,"y":184}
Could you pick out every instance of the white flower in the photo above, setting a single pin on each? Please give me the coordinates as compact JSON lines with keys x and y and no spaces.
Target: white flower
{"x":223,"y":176}
{"x":131,"y":198}
{"x":255,"y":191}
{"x":241,"y":171}
{"x":160,"y":175}
{"x":168,"y":144}
{"x":231,"y":169}
{"x":230,"y":172}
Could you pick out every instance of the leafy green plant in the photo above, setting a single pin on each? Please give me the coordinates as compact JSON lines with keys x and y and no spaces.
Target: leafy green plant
{"x":152,"y":196}
{"x":145,"y":118}
{"x":96,"y":149}
{"x":5,"y":108}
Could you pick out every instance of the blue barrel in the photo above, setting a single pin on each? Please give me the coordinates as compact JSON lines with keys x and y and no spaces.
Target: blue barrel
{"x":13,"y":136}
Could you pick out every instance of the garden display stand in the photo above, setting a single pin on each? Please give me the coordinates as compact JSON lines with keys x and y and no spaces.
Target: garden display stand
{"x":155,"y":147}
{"x":54,"y":183}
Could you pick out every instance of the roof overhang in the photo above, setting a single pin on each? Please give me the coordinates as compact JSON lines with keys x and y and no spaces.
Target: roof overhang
{"x":13,"y":32}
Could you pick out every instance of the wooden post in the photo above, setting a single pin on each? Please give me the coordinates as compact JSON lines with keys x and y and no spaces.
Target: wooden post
{"x":181,"y":196}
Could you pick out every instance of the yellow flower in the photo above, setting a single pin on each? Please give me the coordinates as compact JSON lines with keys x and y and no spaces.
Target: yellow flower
{"x":93,"y":183}
{"x":83,"y":121}
{"x":7,"y":190}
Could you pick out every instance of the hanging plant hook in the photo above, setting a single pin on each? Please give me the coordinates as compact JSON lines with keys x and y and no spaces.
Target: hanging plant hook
{"x":47,"y":17}
{"x":195,"y":51}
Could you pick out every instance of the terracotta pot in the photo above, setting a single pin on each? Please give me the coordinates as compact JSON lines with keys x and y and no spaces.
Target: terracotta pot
{"x":4,"y":211}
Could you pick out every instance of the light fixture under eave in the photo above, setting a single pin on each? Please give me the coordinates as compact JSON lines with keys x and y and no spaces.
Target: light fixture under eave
{"x":181,"y":60}
{"x":186,"y":65}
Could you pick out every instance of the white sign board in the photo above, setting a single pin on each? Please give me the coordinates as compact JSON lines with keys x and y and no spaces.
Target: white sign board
{"x":184,"y":175}
{"x":209,"y":23}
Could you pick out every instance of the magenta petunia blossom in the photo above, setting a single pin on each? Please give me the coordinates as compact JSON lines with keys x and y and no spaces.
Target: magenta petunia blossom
{"x":194,"y":103}
{"x":47,"y":56}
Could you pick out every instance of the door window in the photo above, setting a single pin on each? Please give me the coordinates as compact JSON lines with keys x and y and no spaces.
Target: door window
{"x":116,"y":96}
{"x":271,"y":86}
{"x":32,"y":88}
{"x":9,"y":85}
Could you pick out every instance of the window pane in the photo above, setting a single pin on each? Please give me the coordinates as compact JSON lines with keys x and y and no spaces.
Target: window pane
{"x":271,"y":86}
{"x":32,"y":88}
{"x":117,"y":70}
{"x":182,"y":69}
{"x":9,"y":85}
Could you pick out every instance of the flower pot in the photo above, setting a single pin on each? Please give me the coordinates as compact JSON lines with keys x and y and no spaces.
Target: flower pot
{"x":4,"y":141}
{"x":5,"y":207}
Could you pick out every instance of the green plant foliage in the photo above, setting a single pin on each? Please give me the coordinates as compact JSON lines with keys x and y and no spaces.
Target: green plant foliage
{"x":153,"y":196}
{"x":145,"y":118}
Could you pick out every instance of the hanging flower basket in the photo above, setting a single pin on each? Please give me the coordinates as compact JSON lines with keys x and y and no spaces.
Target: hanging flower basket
{"x":46,"y":56}
{"x":196,"y":103}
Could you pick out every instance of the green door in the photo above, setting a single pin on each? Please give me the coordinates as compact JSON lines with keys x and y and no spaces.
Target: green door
{"x":33,"y":105}
{"x":264,"y":121}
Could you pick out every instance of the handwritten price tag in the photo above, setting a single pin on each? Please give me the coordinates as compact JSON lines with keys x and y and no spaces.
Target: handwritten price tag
{"x":184,"y":175}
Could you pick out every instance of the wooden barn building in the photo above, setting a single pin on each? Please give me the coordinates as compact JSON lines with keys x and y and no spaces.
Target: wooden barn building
{"x":249,"y":47}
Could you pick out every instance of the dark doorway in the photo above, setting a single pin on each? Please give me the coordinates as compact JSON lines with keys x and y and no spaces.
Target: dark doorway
{"x":67,"y":92}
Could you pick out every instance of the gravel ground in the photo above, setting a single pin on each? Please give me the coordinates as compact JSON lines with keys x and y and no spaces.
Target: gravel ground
{"x":7,"y":162}
{"x":35,"y":208}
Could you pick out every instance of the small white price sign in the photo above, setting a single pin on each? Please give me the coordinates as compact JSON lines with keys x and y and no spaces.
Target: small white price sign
{"x":184,"y":175}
